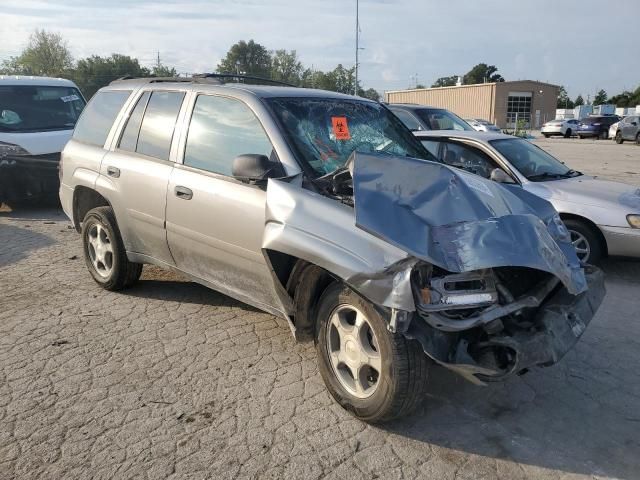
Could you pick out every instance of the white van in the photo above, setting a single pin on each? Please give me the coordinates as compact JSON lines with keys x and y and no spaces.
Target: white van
{"x":37,"y":117}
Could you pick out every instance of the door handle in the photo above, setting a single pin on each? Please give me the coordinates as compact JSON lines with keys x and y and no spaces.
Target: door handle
{"x":183,"y":192}
{"x":113,"y":172}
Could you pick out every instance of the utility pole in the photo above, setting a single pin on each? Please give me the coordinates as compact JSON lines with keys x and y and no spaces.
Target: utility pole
{"x":158,"y":60}
{"x":355,"y":88}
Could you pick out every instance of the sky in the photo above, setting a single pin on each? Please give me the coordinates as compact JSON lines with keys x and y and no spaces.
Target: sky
{"x":584,"y":45}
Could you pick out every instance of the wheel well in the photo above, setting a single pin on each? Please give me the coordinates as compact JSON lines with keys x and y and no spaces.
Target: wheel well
{"x":85,"y":199}
{"x":591,"y":225}
{"x":304,"y":282}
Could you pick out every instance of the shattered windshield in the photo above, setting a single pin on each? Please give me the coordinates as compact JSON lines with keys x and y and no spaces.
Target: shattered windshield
{"x":34,"y":108}
{"x":324,"y":132}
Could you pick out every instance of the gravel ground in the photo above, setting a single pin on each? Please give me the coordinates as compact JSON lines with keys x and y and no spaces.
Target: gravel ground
{"x":171,"y":379}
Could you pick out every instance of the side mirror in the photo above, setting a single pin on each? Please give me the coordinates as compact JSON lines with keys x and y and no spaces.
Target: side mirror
{"x":635,"y":124}
{"x":499,"y":175}
{"x":252,"y":167}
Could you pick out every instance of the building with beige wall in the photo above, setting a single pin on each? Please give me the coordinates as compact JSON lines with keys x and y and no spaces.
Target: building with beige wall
{"x":501,"y":103}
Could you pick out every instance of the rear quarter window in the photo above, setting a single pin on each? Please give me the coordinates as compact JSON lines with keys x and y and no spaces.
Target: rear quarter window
{"x":98,"y":116}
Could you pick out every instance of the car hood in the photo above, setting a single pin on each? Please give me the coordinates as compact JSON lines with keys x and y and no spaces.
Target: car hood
{"x":459,"y":221}
{"x":593,"y":191}
{"x":39,"y":143}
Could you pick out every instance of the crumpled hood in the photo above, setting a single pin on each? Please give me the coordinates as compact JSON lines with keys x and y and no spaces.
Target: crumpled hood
{"x":459,"y":221}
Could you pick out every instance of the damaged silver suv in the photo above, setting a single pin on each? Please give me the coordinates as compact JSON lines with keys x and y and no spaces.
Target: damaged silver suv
{"x":324,"y":209}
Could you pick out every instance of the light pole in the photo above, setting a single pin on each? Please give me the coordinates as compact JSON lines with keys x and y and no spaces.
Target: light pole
{"x":355,"y":88}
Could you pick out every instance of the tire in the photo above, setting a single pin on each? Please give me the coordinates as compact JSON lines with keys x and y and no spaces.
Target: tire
{"x":105,"y":254}
{"x":581,"y":231}
{"x":567,"y":133}
{"x":398,"y":386}
{"x":619,"y":138}
{"x":603,"y":135}
{"x":580,"y":137}
{"x":638,"y":138}
{"x":546,"y":135}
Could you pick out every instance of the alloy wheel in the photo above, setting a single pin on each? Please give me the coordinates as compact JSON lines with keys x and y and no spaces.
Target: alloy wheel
{"x":353,"y":351}
{"x":581,"y":244}
{"x":100,"y":250}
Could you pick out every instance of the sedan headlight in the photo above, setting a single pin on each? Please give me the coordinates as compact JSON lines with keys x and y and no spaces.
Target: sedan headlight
{"x":634,"y":221}
{"x":7,"y":149}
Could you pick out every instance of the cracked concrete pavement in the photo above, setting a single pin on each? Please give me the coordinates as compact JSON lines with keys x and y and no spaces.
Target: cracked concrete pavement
{"x":172,"y":380}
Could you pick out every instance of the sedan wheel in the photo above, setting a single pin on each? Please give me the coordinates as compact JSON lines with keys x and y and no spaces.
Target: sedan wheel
{"x":638,"y":139}
{"x":619,"y":138}
{"x":567,"y":133}
{"x":581,"y":244}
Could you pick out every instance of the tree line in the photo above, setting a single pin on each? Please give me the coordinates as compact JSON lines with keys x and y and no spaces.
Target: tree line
{"x":48,"y":54}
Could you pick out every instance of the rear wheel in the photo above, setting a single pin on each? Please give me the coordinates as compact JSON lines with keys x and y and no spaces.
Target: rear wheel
{"x":603,"y":135}
{"x":546,"y":135}
{"x":586,"y":241}
{"x":567,"y":133}
{"x":580,"y":137}
{"x":638,"y":138}
{"x":619,"y":138}
{"x":374,"y":374}
{"x":104,"y":252}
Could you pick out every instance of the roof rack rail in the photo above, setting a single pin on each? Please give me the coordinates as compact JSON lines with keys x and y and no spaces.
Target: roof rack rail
{"x":129,"y":78}
{"x":222,"y":76}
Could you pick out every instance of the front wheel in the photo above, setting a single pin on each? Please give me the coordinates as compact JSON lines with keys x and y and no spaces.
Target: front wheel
{"x":104,"y":252}
{"x":619,"y":138}
{"x":374,"y":374}
{"x":585,"y":240}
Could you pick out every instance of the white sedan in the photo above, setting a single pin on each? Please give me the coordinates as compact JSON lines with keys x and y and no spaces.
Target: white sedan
{"x":480,"y":125}
{"x":564,"y":127}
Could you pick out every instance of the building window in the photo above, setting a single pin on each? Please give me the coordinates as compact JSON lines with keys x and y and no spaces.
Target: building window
{"x":519,"y":108}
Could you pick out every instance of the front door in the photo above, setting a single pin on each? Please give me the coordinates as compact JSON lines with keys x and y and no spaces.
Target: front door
{"x":215,"y":222}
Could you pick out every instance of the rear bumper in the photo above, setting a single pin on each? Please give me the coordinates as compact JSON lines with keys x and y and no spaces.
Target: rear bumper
{"x":622,"y":241}
{"x":559,"y":322}
{"x":28,"y":176}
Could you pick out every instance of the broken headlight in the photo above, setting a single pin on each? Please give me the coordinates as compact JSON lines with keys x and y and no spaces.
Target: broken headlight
{"x":7,"y":149}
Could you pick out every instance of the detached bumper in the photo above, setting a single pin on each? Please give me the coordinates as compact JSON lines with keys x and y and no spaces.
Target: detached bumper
{"x":559,"y":323}
{"x":28,"y":176}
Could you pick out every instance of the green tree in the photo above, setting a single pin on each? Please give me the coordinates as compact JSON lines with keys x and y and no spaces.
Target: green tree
{"x":46,"y":54}
{"x":160,"y":70}
{"x":95,"y":72}
{"x":449,"y":81}
{"x":370,"y":93}
{"x":578,"y":101}
{"x":419,"y":85}
{"x":600,"y":98}
{"x":563,"y":99}
{"x":286,"y":67}
{"x":482,"y":73}
{"x":247,"y":58}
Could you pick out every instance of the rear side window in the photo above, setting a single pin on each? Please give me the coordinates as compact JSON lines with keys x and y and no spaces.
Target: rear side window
{"x":129,"y":139}
{"x":221,"y":129}
{"x":159,"y":123}
{"x":405,"y":117}
{"x":98,"y":116}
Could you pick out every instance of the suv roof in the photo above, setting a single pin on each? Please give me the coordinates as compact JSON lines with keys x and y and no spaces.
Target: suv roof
{"x":413,"y":106}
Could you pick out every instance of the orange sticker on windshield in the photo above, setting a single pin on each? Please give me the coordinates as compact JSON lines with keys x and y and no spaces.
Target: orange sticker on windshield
{"x":340,"y":128}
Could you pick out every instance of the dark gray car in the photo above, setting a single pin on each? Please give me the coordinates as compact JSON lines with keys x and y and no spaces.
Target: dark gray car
{"x":629,"y":129}
{"x":421,"y":117}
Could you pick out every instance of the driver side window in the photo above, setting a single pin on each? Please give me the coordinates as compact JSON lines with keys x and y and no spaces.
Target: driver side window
{"x":467,"y":158}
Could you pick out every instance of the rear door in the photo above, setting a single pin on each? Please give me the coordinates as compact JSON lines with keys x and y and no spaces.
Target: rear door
{"x":138,"y":171}
{"x":628,"y":128}
{"x":214,"y":222}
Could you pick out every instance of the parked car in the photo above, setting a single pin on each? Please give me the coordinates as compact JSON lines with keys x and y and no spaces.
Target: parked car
{"x":603,"y":217}
{"x":37,"y":116}
{"x":564,"y":127}
{"x":420,"y":117}
{"x":596,"y":126}
{"x":324,"y":209}
{"x":480,"y":125}
{"x":628,"y":129}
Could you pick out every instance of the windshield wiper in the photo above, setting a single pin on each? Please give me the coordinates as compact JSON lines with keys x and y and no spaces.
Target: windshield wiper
{"x":544,"y":175}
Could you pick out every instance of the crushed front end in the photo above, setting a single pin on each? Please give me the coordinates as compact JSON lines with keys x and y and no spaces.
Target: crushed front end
{"x":490,"y":324}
